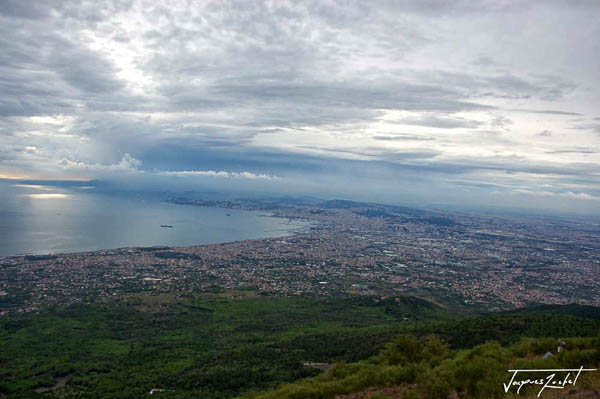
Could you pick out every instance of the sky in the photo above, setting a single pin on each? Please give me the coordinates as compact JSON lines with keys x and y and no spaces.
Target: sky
{"x":464,"y":103}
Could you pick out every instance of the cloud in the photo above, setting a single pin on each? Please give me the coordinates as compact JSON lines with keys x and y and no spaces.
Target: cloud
{"x":593,"y":127}
{"x":47,"y":196}
{"x":574,"y":151}
{"x":546,"y":111}
{"x":402,"y":137}
{"x":212,"y":173}
{"x":440,"y":122}
{"x":303,"y":91}
{"x":129,"y":165}
{"x":126,"y":164}
{"x":33,"y":186}
{"x":501,"y":122}
{"x":565,"y":194}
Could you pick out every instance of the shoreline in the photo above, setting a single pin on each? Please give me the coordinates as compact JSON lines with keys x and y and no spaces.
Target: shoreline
{"x":292,"y":231}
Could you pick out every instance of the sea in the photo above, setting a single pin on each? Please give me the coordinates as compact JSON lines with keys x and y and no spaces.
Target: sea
{"x":43,"y":219}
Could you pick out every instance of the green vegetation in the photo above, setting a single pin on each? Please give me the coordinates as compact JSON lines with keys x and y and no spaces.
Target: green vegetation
{"x":231,"y":343}
{"x":427,"y":368}
{"x":204,"y":346}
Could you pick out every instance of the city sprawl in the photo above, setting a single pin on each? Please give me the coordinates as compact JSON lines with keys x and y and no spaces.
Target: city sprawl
{"x":346,"y":248}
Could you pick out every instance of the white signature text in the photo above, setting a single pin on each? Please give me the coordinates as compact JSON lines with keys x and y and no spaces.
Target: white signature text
{"x":557,"y":379}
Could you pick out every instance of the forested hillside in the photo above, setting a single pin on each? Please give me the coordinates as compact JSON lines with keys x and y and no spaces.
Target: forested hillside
{"x":233,"y":343}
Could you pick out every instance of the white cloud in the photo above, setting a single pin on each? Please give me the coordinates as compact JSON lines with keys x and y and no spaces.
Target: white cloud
{"x":48,"y":196}
{"x":213,"y":173}
{"x":563,"y":194}
{"x":126,"y":164}
{"x":30,"y":148}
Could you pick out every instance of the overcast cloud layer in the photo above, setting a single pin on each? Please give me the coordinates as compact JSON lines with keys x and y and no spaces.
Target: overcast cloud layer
{"x":464,"y":102}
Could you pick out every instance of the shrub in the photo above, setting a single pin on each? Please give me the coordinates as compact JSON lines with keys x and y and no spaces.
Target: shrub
{"x":404,"y":349}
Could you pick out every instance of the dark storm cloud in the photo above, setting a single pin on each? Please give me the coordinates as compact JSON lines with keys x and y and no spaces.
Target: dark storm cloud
{"x":199,"y":154}
{"x":202,"y":155}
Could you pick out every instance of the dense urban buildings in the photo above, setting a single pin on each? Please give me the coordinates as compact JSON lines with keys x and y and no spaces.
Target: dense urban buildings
{"x":464,"y":260}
